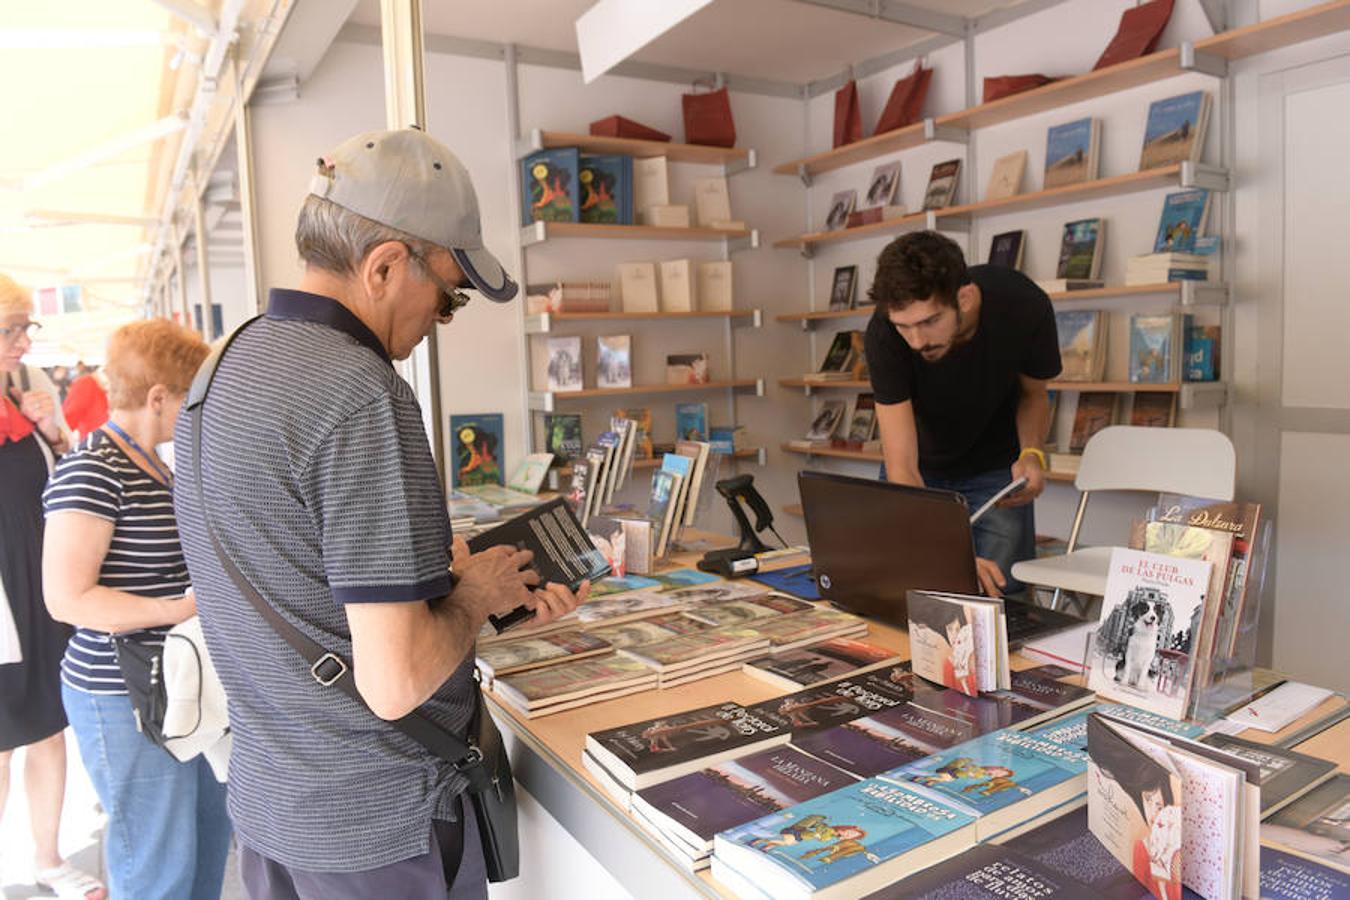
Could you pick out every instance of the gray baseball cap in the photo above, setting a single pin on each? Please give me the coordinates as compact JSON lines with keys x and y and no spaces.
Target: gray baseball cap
{"x":410,"y":181}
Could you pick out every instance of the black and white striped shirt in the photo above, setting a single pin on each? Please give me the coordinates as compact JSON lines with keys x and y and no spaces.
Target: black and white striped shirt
{"x":145,"y":558}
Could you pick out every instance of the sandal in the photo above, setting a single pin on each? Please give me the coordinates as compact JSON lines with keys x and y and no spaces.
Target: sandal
{"x":69,"y":883}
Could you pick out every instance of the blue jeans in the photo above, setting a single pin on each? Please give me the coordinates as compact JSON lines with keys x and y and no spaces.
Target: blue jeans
{"x":1005,"y":535}
{"x":168,"y":832}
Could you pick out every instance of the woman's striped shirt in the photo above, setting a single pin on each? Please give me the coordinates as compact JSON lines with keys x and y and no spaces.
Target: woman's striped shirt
{"x":99,"y":479}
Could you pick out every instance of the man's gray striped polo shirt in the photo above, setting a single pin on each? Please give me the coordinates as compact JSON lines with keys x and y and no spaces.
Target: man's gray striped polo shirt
{"x":321,"y":486}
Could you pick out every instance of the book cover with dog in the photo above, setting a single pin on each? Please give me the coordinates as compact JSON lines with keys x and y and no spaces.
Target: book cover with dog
{"x":1144,"y":652}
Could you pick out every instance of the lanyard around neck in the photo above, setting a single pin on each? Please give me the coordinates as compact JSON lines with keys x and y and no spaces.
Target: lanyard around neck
{"x":148,"y":461}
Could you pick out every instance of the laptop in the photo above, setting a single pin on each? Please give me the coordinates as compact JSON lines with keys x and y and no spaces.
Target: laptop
{"x":872,"y":541}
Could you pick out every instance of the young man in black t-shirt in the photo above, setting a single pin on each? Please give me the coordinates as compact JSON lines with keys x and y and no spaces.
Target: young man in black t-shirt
{"x":959,"y":360}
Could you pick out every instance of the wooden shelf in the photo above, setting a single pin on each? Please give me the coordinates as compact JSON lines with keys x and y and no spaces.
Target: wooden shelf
{"x":545,"y":400}
{"x":1272,"y":34}
{"x":1187,"y":293}
{"x":851,"y":384}
{"x":1117,"y":386}
{"x":543,"y":323}
{"x":590,"y":143}
{"x":545,"y":231}
{"x":815,"y":238}
{"x":858,"y":151}
{"x":655,"y":461}
{"x":827,"y":314}
{"x":856,"y":455}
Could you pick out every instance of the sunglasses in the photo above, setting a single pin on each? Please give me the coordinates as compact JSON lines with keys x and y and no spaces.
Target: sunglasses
{"x":452,"y":299}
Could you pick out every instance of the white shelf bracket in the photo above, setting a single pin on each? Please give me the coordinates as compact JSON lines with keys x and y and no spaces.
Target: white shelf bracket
{"x":937,"y":221}
{"x":542,"y":401}
{"x":529,"y":143}
{"x":804,"y":174}
{"x":540,"y":324}
{"x":756,"y":320}
{"x":759,"y":387}
{"x":762,"y":457}
{"x":750,"y":161}
{"x":1203,"y":293}
{"x":1205,"y":63}
{"x":1199,"y":175}
{"x":1203,"y":395}
{"x":535,"y":233}
{"x":932,"y":131}
{"x":732,"y":245}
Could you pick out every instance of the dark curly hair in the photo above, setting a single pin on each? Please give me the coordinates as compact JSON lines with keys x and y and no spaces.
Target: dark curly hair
{"x":918,"y":266}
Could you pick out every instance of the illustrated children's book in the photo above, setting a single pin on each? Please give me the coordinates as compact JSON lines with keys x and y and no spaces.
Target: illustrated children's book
{"x":955,"y":641}
{"x":1153,"y":349}
{"x":478,"y":447}
{"x":548,"y":182}
{"x":562,"y":436}
{"x":1175,"y":131}
{"x":1071,"y":153}
{"x":606,"y":189}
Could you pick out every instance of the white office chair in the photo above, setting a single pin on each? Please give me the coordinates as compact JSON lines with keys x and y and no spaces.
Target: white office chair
{"x":1195,"y":461}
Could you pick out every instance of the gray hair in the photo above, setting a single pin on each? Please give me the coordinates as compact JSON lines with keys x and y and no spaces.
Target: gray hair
{"x":335,"y":239}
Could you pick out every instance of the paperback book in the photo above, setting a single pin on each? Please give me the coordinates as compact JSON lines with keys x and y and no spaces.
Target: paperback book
{"x":564,"y":364}
{"x":1082,"y":344}
{"x":549,"y":186}
{"x":1071,"y":152}
{"x":1041,"y":698}
{"x":839,"y":358}
{"x":885,"y":184}
{"x":1284,"y":775}
{"x":870,"y":745}
{"x":799,"y":629}
{"x":507,"y":657}
{"x":691,"y":421}
{"x":990,"y":872}
{"x":695,"y":807}
{"x":1175,"y":130}
{"x":1081,"y":248}
{"x":687,"y":368}
{"x":614,"y":361}
{"x":1144,"y":651}
{"x":1006,"y":249}
{"x":655,"y":750}
{"x":478,"y":447}
{"x":820,"y":663}
{"x":529,"y":474}
{"x":824,"y":706}
{"x":941,"y":189}
{"x":826,"y":422}
{"x":1184,"y":215}
{"x":1095,"y":411}
{"x":562,"y":436}
{"x":1314,"y":826}
{"x":606,"y":187}
{"x":1153,"y":409}
{"x":622,"y":608}
{"x":842,"y":844}
{"x":862,"y":425}
{"x":1154,"y":346}
{"x":696,"y":650}
{"x":958,"y":642}
{"x":564,"y":686}
{"x":652,"y":630}
{"x":843,"y":287}
{"x":1006,"y":178}
{"x":1288,"y":877}
{"x":841,"y":204}
{"x":641,"y":417}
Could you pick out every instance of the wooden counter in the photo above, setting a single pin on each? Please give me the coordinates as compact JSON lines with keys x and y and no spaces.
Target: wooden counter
{"x":546,"y":753}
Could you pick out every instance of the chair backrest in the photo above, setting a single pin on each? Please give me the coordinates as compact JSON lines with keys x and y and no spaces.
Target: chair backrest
{"x":1195,"y":461}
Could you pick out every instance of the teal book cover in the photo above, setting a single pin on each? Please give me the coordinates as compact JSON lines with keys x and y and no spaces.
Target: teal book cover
{"x":548,"y":186}
{"x":1183,"y":218}
{"x":606,"y":189}
{"x":691,"y":421}
{"x":838,"y":835}
{"x":478,"y":445}
{"x":1068,"y":152}
{"x":994,"y":770}
{"x":1151,"y":349}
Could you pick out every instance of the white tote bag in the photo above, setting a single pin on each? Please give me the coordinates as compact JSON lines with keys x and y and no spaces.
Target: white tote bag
{"x":10,"y":651}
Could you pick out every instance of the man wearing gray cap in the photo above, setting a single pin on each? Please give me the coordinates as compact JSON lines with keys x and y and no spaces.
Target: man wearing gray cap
{"x":318,"y":483}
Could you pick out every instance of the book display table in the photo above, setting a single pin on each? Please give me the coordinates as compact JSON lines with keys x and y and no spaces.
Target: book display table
{"x":546,"y":754}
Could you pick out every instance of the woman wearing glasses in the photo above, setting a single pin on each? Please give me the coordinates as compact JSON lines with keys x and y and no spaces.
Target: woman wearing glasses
{"x":32,"y":435}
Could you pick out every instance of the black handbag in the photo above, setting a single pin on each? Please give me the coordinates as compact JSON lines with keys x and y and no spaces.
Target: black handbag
{"x":142,"y":668}
{"x":481,"y":758}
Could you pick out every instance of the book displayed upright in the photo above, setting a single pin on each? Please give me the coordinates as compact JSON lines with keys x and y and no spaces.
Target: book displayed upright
{"x":1137,"y":34}
{"x":1006,"y":249}
{"x":548,"y":182}
{"x":841,"y":204}
{"x":1071,"y":153}
{"x":842,"y":844}
{"x":712,"y":202}
{"x":862,"y":424}
{"x":562,"y":435}
{"x":843,"y":286}
{"x":1082,"y":344}
{"x":605,"y":183}
{"x":1095,"y":411}
{"x":1183,"y":219}
{"x":691,"y":421}
{"x":714,"y":286}
{"x":941,"y":190}
{"x":1155,"y":345}
{"x":529,"y":474}
{"x":687,"y":368}
{"x":1175,"y":130}
{"x":564,"y":364}
{"x":677,"y":286}
{"x":1081,"y":248}
{"x":614,"y":361}
{"x":839,"y":359}
{"x":884,"y":185}
{"x":1005,"y":180}
{"x":1144,"y":652}
{"x":1153,"y":409}
{"x":638,"y":287}
{"x":826,"y":422}
{"x":959,"y":642}
{"x":478,"y":448}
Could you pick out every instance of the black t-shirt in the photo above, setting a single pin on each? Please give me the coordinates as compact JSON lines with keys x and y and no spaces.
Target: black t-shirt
{"x":965,"y":404}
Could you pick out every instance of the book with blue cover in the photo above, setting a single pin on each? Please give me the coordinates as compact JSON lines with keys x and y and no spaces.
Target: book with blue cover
{"x":845,"y":843}
{"x":887,"y":740}
{"x":1288,"y":877}
{"x":990,"y":872}
{"x":606,"y":189}
{"x":697,"y":806}
{"x":1003,"y":779}
{"x":1175,"y":130}
{"x":548,"y":186}
{"x":1153,"y":346}
{"x":1071,"y":152}
{"x":1183,"y":218}
{"x":691,"y":421}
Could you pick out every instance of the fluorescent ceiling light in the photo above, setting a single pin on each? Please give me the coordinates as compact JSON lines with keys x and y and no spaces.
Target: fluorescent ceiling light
{"x":107,"y":150}
{"x":613,"y":30}
{"x":76,"y":38}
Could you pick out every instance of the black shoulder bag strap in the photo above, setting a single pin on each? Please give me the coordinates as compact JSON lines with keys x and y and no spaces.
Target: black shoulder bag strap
{"x":483,"y":761}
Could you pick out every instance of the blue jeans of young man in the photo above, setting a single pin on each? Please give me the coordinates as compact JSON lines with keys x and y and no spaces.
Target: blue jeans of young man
{"x":1005,"y":535}
{"x":168,"y":832}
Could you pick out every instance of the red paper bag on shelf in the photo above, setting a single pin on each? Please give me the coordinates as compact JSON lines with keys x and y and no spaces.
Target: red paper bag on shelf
{"x":707,"y":119}
{"x":847,"y":116}
{"x":1006,"y":85}
{"x":1138,"y":33}
{"x":905,"y":104}
{"x":619,"y":127}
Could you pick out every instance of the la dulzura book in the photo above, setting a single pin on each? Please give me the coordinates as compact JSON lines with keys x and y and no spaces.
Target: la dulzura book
{"x":955,"y":641}
{"x":644,"y":753}
{"x":1003,"y":779}
{"x":1144,"y":651}
{"x":695,"y":807}
{"x":843,"y":844}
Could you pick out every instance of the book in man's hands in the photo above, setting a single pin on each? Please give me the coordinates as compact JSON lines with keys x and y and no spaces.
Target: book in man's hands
{"x":563,"y":554}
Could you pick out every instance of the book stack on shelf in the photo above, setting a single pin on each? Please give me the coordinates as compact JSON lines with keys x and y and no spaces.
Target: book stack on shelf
{"x":1180,"y":251}
{"x":879,"y":200}
{"x":861,"y":433}
{"x":1080,"y":257}
{"x":568,"y":297}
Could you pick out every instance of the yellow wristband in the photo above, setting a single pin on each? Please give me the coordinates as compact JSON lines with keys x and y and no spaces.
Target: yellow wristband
{"x":1039,"y":454}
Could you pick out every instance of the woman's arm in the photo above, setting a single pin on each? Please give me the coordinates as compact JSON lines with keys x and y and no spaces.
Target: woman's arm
{"x":73,"y":549}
